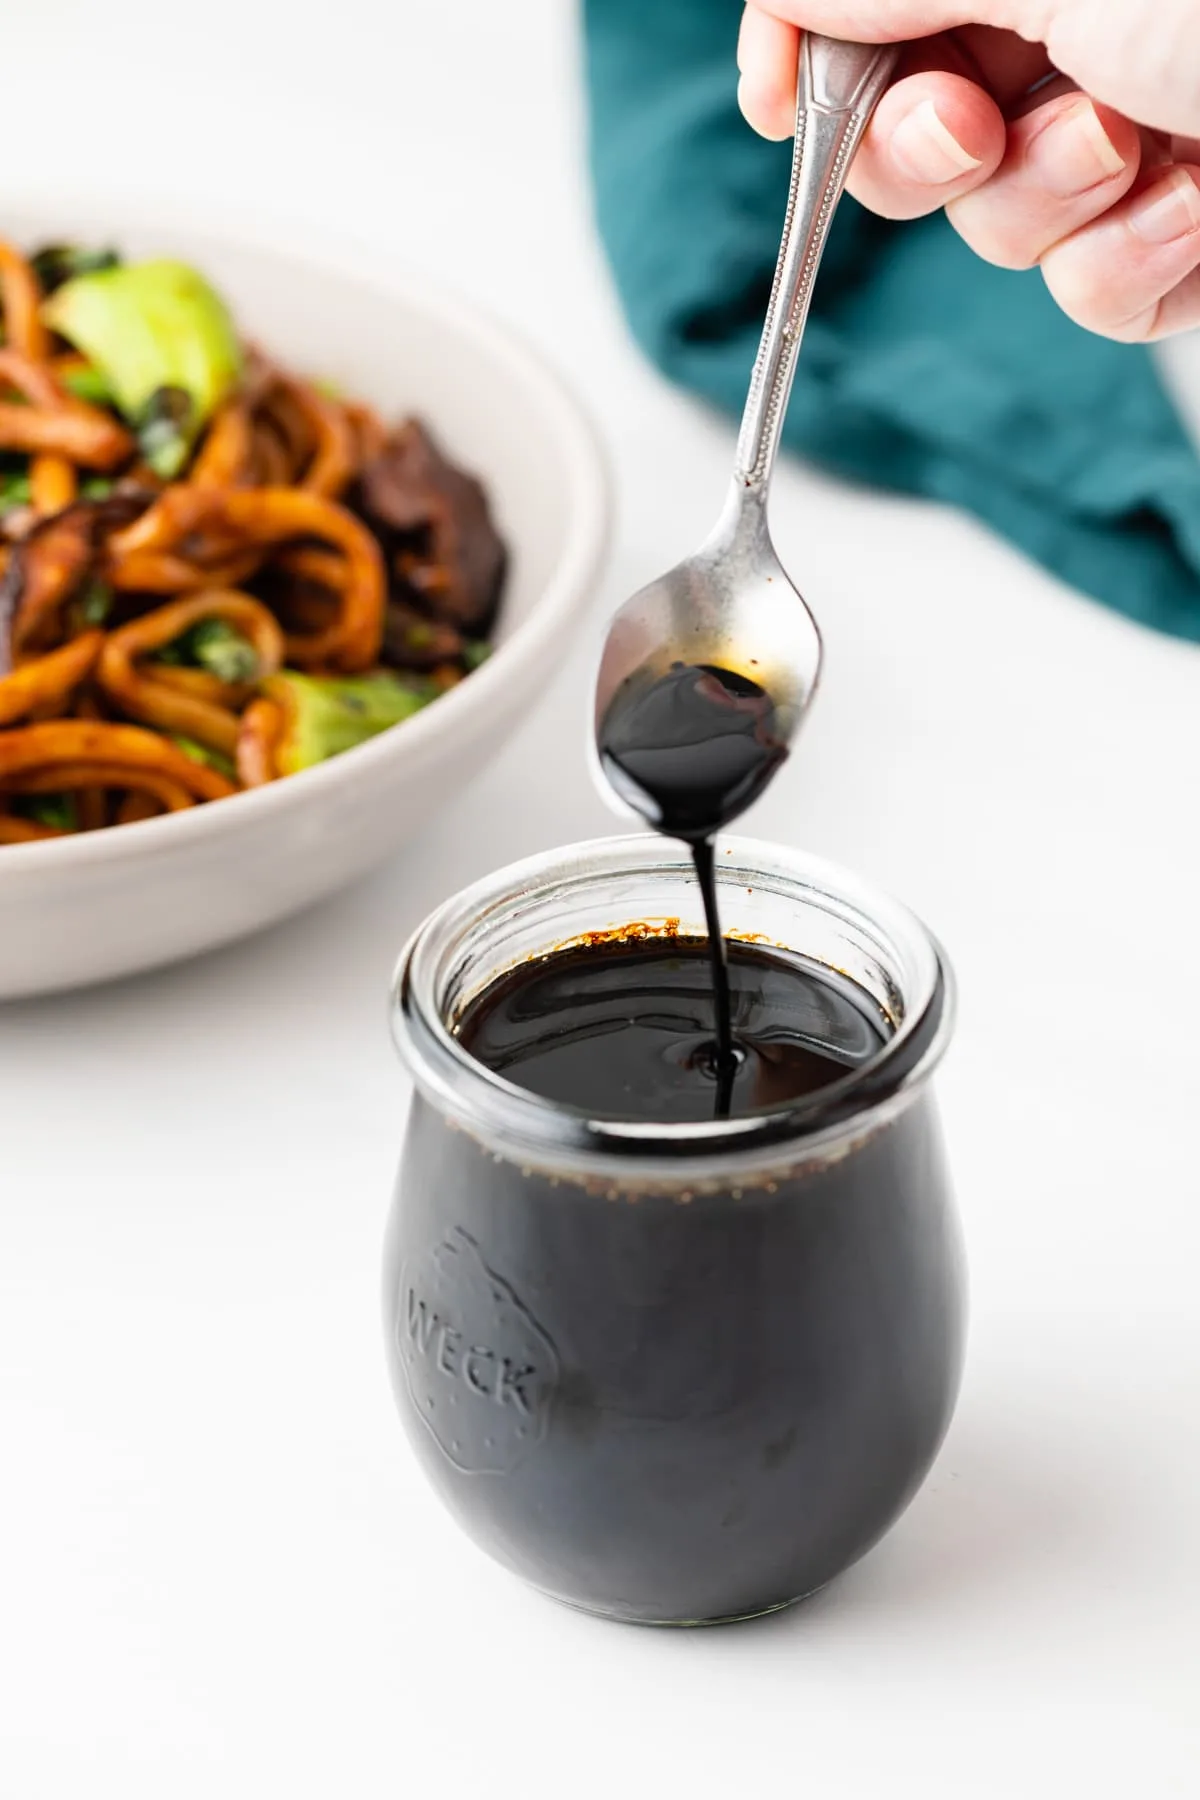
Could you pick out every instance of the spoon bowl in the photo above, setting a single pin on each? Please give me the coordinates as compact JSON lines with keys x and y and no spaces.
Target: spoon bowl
{"x":732,"y":605}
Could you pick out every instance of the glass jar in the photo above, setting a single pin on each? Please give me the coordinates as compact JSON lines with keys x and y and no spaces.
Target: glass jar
{"x":674,"y":1374}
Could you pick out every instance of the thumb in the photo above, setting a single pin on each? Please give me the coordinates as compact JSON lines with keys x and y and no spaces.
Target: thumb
{"x":891,"y":21}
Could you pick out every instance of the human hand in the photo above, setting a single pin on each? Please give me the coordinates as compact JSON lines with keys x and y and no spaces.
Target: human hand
{"x":1058,"y":133}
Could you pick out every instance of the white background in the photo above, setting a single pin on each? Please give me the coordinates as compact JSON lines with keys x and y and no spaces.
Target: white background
{"x":220,"y":1573}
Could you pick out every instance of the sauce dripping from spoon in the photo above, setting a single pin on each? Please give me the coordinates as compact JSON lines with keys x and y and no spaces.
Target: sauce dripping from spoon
{"x":691,"y":749}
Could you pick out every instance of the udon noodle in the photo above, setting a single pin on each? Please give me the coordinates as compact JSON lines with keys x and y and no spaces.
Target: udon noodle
{"x":304,"y":578}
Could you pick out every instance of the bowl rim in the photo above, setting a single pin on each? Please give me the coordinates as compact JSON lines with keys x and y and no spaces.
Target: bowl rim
{"x":587,"y":511}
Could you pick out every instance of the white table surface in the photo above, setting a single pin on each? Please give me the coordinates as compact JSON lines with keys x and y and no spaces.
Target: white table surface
{"x":220,"y":1571}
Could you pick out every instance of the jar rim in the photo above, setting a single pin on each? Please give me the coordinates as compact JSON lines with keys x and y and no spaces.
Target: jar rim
{"x":501,"y":1113}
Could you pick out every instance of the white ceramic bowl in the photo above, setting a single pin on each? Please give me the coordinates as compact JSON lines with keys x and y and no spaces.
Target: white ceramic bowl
{"x":106,"y":903}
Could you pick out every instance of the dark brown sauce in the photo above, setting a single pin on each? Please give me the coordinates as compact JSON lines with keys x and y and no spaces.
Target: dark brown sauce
{"x":625,"y":1030}
{"x":690,"y":750}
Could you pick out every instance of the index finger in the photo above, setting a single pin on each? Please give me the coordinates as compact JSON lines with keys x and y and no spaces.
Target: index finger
{"x":893,"y":21}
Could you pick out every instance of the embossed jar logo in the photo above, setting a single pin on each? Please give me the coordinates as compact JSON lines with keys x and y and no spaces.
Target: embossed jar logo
{"x":480,"y":1369}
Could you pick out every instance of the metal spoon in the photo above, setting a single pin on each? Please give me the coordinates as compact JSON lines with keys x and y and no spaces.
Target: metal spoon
{"x":731,"y":604}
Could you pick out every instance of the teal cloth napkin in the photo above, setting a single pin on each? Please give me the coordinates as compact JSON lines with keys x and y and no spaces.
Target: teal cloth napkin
{"x":924,"y":370}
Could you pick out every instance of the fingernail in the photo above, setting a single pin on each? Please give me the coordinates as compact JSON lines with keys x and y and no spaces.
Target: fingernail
{"x":926,"y":150}
{"x":1169,"y":211}
{"x":1074,"y":152}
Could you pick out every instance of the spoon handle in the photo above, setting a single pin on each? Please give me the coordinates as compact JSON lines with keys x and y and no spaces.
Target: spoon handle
{"x":839,"y":86}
